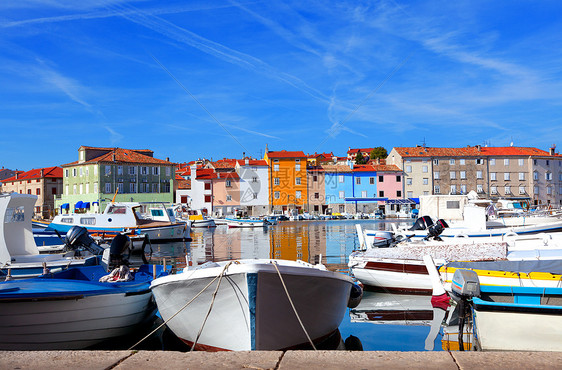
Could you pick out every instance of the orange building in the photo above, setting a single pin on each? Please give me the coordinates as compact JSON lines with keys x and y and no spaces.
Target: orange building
{"x":287,"y":178}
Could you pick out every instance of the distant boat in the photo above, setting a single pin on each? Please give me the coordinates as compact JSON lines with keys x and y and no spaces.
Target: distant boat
{"x":148,"y":218}
{"x":252,"y":310}
{"x":196,"y":216}
{"x":245,"y":222}
{"x":71,"y":309}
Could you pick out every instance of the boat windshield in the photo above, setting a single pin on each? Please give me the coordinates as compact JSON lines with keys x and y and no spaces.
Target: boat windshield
{"x":114,"y":209}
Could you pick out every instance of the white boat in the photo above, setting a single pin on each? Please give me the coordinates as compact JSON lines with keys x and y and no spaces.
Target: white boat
{"x":196,"y":216}
{"x":19,"y":254}
{"x":401,"y":268}
{"x":71,"y":309}
{"x":148,"y":218}
{"x":245,"y":222}
{"x":252,"y":309}
{"x":511,"y":318}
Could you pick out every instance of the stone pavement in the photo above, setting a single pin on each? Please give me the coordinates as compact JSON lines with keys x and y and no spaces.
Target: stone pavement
{"x":324,"y":360}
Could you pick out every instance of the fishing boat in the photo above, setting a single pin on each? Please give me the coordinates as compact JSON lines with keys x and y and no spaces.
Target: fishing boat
{"x":197,"y":218}
{"x":72,"y":309}
{"x":245,"y":222}
{"x":260,"y":304}
{"x":153,"y":219}
{"x":511,"y":318}
{"x":19,"y":253}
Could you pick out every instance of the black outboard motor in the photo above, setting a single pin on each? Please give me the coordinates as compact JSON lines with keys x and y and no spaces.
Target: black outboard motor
{"x":422,"y":223}
{"x":119,"y":245}
{"x":464,"y":286}
{"x":436,"y":229}
{"x":78,"y":239}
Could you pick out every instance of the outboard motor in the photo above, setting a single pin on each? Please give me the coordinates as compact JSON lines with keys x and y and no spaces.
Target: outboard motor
{"x":119,"y":245}
{"x":78,"y":239}
{"x":422,"y":223}
{"x":436,"y":229}
{"x":383,"y":239}
{"x":464,"y":286}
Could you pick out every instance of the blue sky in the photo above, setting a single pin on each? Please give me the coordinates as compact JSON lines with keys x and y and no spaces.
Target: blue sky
{"x":191,"y":79}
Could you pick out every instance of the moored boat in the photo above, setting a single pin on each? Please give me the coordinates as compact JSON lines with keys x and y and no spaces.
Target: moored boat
{"x":245,"y":222}
{"x":72,"y":309}
{"x":253,"y":308}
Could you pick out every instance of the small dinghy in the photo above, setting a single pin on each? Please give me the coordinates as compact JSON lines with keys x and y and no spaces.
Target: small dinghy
{"x":260,"y":304}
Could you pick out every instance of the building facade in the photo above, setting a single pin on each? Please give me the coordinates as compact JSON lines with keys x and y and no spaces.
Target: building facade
{"x":287,"y":179}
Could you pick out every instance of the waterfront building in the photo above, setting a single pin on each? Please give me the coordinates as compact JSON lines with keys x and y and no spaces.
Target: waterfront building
{"x":287,"y":179}
{"x":128,"y":175}
{"x":316,"y":189}
{"x":338,"y":184}
{"x":200,"y":195}
{"x":46,"y":183}
{"x":4,"y":174}
{"x":364,"y":194}
{"x":254,"y":186}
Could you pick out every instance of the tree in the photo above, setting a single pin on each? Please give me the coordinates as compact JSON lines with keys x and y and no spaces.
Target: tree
{"x":359,"y":159}
{"x":378,"y":152}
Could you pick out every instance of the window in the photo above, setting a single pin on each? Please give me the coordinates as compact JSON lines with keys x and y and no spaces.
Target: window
{"x":463,"y":189}
{"x":492,"y":176}
{"x":535,"y":162}
{"x":521,"y":190}
{"x":453,"y":204}
{"x":479,"y":188}
{"x":208,"y":198}
{"x":436,"y":161}
{"x":408,"y":169}
{"x":492,"y":161}
{"x":65,"y":173}
{"x":381,"y":178}
{"x":316,"y":195}
{"x":298,"y":194}
{"x":398,"y":193}
{"x":276,"y":181}
{"x":547,"y":162}
{"x":298,"y":181}
{"x":463,"y":174}
{"x":276,"y":167}
{"x":535,"y":175}
{"x":54,"y":191}
{"x":452,"y":161}
{"x":506,"y":162}
{"x":74,"y":171}
{"x":314,"y":178}
{"x":410,"y":194}
{"x":297,"y":167}
{"x":452,"y":175}
{"x":255,"y":195}
{"x":478,"y":174}
{"x":424,"y":169}
{"x":81,"y":188}
{"x":156,"y":171}
{"x":521,"y":175}
{"x":521,"y":161}
{"x":536,"y":189}
{"x":508,"y":189}
{"x":506,"y":176}
{"x":381,"y":193}
{"x":341,"y":194}
{"x":95,"y":187}
{"x":254,"y":179}
{"x":168,"y":171}
{"x":228,"y":198}
{"x":207,"y":186}
{"x":479,"y":161}
{"x":358,"y":180}
{"x":437,"y":189}
{"x":144,"y":170}
{"x":493,"y":190}
{"x":364,"y":194}
{"x":37,"y":191}
{"x":548,"y":176}
{"x":133,"y":188}
{"x":371,"y":180}
{"x":119,"y":188}
{"x":436,"y":175}
{"x":453,"y":190}
{"x":155,"y":188}
{"x":549,"y":190}
{"x":95,"y":170}
{"x":409,"y":181}
{"x":131,"y":170}
{"x":425,"y":181}
{"x":398,"y":178}
{"x":462,"y":162}
{"x":107,"y":170}
{"x":75,"y":192}
{"x":276,"y":195}
{"x":119,"y":170}
{"x":228,"y":183}
{"x":340,"y":178}
{"x":107,"y":187}
{"x":81,"y":171}
{"x":28,"y":191}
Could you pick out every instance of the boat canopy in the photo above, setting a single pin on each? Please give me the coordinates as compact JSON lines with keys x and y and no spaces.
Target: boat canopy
{"x":65,"y":206}
{"x":78,"y":204}
{"x":354,"y":199}
{"x":400,"y":201}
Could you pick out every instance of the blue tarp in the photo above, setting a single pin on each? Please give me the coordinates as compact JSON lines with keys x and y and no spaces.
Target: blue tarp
{"x":365,"y":199}
{"x":400,"y":201}
{"x":65,"y":206}
{"x":78,"y":204}
{"x":86,"y":205}
{"x":416,"y":200}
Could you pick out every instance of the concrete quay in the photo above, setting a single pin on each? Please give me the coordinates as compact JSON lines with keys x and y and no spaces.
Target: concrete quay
{"x":169,"y":360}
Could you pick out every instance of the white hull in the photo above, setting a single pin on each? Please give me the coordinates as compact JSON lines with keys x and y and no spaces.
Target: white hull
{"x":245,"y":223}
{"x":512,"y":331}
{"x":203,"y":223}
{"x":70,"y":323}
{"x":251,"y":311}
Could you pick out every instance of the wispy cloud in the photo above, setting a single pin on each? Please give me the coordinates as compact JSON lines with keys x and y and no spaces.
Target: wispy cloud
{"x":114,"y":137}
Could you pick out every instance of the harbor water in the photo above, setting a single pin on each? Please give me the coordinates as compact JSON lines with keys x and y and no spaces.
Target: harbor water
{"x":382,"y":322}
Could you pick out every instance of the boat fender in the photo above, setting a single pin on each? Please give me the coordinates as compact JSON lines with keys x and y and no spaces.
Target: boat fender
{"x":355,"y":296}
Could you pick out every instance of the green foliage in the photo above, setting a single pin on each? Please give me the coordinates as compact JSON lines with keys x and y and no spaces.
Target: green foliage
{"x":359,"y":159}
{"x":378,"y":152}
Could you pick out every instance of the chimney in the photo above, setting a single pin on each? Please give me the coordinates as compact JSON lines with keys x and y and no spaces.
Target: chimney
{"x":552,"y":149}
{"x":478,"y":147}
{"x":17,"y":174}
{"x":247,"y":162}
{"x":41,"y":173}
{"x":167,"y":159}
{"x":378,"y":161}
{"x":113,"y":156}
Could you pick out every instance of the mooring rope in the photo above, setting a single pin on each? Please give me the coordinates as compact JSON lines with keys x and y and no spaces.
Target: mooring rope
{"x":181,"y":309}
{"x":211,"y":306}
{"x":292,"y":305}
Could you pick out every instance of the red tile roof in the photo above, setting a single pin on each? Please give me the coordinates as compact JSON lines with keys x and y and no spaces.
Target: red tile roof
{"x":335,"y":168}
{"x":205,"y":174}
{"x":253,"y":162}
{"x":363,"y":150}
{"x":469,"y":151}
{"x":286,"y":154}
{"x":375,"y":168}
{"x":224,"y":163}
{"x":120,"y":155}
{"x":50,"y":172}
{"x":512,"y":150}
{"x":183,"y":184}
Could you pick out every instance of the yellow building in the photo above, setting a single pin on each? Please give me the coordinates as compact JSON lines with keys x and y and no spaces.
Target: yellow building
{"x":287,"y":179}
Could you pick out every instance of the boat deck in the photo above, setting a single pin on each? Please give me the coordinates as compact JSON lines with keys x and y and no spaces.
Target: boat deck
{"x":278,"y":360}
